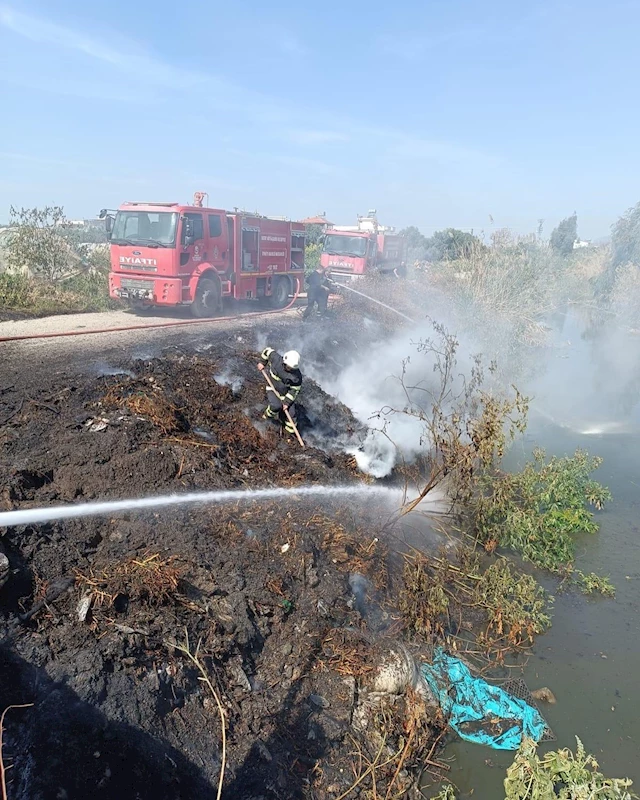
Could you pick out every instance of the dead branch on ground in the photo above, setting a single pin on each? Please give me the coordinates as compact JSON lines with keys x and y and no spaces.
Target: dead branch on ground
{"x":194,"y":658}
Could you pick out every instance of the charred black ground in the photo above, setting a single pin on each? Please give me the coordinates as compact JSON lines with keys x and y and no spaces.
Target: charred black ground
{"x":94,"y":608}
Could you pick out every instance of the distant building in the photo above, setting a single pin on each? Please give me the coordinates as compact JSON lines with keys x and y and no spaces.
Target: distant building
{"x":319,"y":219}
{"x":580,"y":243}
{"x":86,"y":223}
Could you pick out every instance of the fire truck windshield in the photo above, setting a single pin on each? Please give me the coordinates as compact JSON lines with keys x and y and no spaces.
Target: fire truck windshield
{"x":145,"y":228}
{"x":345,"y":245}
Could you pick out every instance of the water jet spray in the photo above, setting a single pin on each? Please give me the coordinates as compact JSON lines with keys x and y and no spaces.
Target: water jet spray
{"x":32,"y":516}
{"x":378,"y":302}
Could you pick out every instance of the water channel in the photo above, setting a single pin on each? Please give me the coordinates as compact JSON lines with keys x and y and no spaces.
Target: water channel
{"x":590,"y":658}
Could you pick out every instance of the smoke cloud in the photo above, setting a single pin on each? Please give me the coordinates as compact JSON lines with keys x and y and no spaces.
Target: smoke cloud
{"x":227,"y":378}
{"x":588,"y":380}
{"x":584,"y":377}
{"x":392,"y":378}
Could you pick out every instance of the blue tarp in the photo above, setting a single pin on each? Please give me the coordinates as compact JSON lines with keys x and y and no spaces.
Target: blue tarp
{"x":478,"y":711}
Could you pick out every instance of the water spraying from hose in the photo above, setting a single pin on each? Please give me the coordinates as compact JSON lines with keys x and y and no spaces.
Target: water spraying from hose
{"x":31,"y":516}
{"x":378,"y":302}
{"x":588,"y":427}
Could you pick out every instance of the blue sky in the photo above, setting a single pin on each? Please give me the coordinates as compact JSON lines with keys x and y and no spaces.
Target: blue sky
{"x":438,"y":114}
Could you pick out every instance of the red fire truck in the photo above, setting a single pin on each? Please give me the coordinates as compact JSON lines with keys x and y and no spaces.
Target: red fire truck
{"x":168,"y":254}
{"x":352,"y":251}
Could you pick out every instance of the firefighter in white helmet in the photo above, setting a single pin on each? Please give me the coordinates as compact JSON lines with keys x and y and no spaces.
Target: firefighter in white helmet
{"x":286,"y":378}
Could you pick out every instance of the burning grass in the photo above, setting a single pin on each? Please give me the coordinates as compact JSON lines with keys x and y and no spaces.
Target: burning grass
{"x":266,"y":582}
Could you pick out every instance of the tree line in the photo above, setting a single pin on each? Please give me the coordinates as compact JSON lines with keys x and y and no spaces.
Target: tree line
{"x":451,"y":244}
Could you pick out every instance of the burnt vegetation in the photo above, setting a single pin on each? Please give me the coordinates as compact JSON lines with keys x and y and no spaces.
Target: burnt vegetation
{"x":244,"y":651}
{"x":138,"y":625}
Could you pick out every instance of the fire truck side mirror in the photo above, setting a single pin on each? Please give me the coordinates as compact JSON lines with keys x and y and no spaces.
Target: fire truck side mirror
{"x":108,"y":225}
{"x":187,"y":232}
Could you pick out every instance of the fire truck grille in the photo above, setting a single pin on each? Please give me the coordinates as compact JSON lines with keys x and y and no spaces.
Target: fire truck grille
{"x":132,"y":283}
{"x":342,"y":276}
{"x":138,"y":267}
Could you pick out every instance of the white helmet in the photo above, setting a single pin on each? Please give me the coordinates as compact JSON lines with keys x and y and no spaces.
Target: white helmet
{"x":291,"y":359}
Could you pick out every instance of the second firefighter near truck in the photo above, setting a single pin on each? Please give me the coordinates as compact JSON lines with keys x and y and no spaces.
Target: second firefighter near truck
{"x":320,"y":286}
{"x":286,"y":378}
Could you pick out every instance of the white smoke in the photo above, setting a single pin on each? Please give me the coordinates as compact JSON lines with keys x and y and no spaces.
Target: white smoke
{"x":589,"y":383}
{"x":104,"y":369}
{"x":392,"y":379}
{"x":262,"y":340}
{"x":376,"y":456}
{"x":386,"y":383}
{"x":226,"y":378}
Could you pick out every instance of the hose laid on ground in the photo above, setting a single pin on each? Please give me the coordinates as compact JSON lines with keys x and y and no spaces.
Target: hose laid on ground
{"x":24,"y":337}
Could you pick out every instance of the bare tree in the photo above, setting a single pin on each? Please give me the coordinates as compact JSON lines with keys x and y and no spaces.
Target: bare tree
{"x":466,"y":423}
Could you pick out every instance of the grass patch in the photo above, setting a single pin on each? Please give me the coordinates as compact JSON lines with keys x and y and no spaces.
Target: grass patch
{"x":145,"y":403}
{"x":501,"y":608}
{"x":149,"y":578}
{"x":88,"y":291}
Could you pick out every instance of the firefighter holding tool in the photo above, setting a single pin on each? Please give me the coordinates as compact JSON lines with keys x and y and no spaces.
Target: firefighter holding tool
{"x":320,"y":287}
{"x":283,"y":386}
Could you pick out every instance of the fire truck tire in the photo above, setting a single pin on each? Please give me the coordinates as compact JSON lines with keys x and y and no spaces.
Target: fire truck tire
{"x":207,"y":299}
{"x":280,"y":294}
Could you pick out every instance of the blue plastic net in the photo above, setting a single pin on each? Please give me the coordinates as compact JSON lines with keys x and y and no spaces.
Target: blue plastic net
{"x":478,"y":711}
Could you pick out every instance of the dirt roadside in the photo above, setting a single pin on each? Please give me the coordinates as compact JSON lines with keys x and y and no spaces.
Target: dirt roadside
{"x":106,"y":320}
{"x":93,"y":351}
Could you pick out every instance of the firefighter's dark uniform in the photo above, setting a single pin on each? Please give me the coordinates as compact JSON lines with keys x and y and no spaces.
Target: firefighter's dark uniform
{"x":317,"y":293}
{"x":287,"y":384}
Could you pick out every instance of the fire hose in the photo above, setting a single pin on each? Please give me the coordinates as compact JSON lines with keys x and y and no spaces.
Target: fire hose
{"x":378,"y":302}
{"x":286,"y":410}
{"x":174,"y":324}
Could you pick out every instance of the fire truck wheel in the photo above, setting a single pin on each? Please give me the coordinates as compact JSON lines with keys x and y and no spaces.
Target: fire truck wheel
{"x":280,"y":293}
{"x":207,"y":299}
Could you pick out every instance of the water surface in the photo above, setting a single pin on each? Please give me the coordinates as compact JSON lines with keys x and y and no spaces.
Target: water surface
{"x":591,"y":656}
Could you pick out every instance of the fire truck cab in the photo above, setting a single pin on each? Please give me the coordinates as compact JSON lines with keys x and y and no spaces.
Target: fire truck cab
{"x":352,"y":251}
{"x":168,"y":254}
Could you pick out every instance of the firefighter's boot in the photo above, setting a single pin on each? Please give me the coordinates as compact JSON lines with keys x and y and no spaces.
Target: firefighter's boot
{"x":288,"y":430}
{"x":270,"y":415}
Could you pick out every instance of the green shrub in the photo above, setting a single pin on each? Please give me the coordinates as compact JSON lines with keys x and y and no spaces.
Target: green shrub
{"x":15,"y":290}
{"x":515,"y":604}
{"x":312,"y":253}
{"x":561,"y":774}
{"x":87,"y":291}
{"x":538,"y":510}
